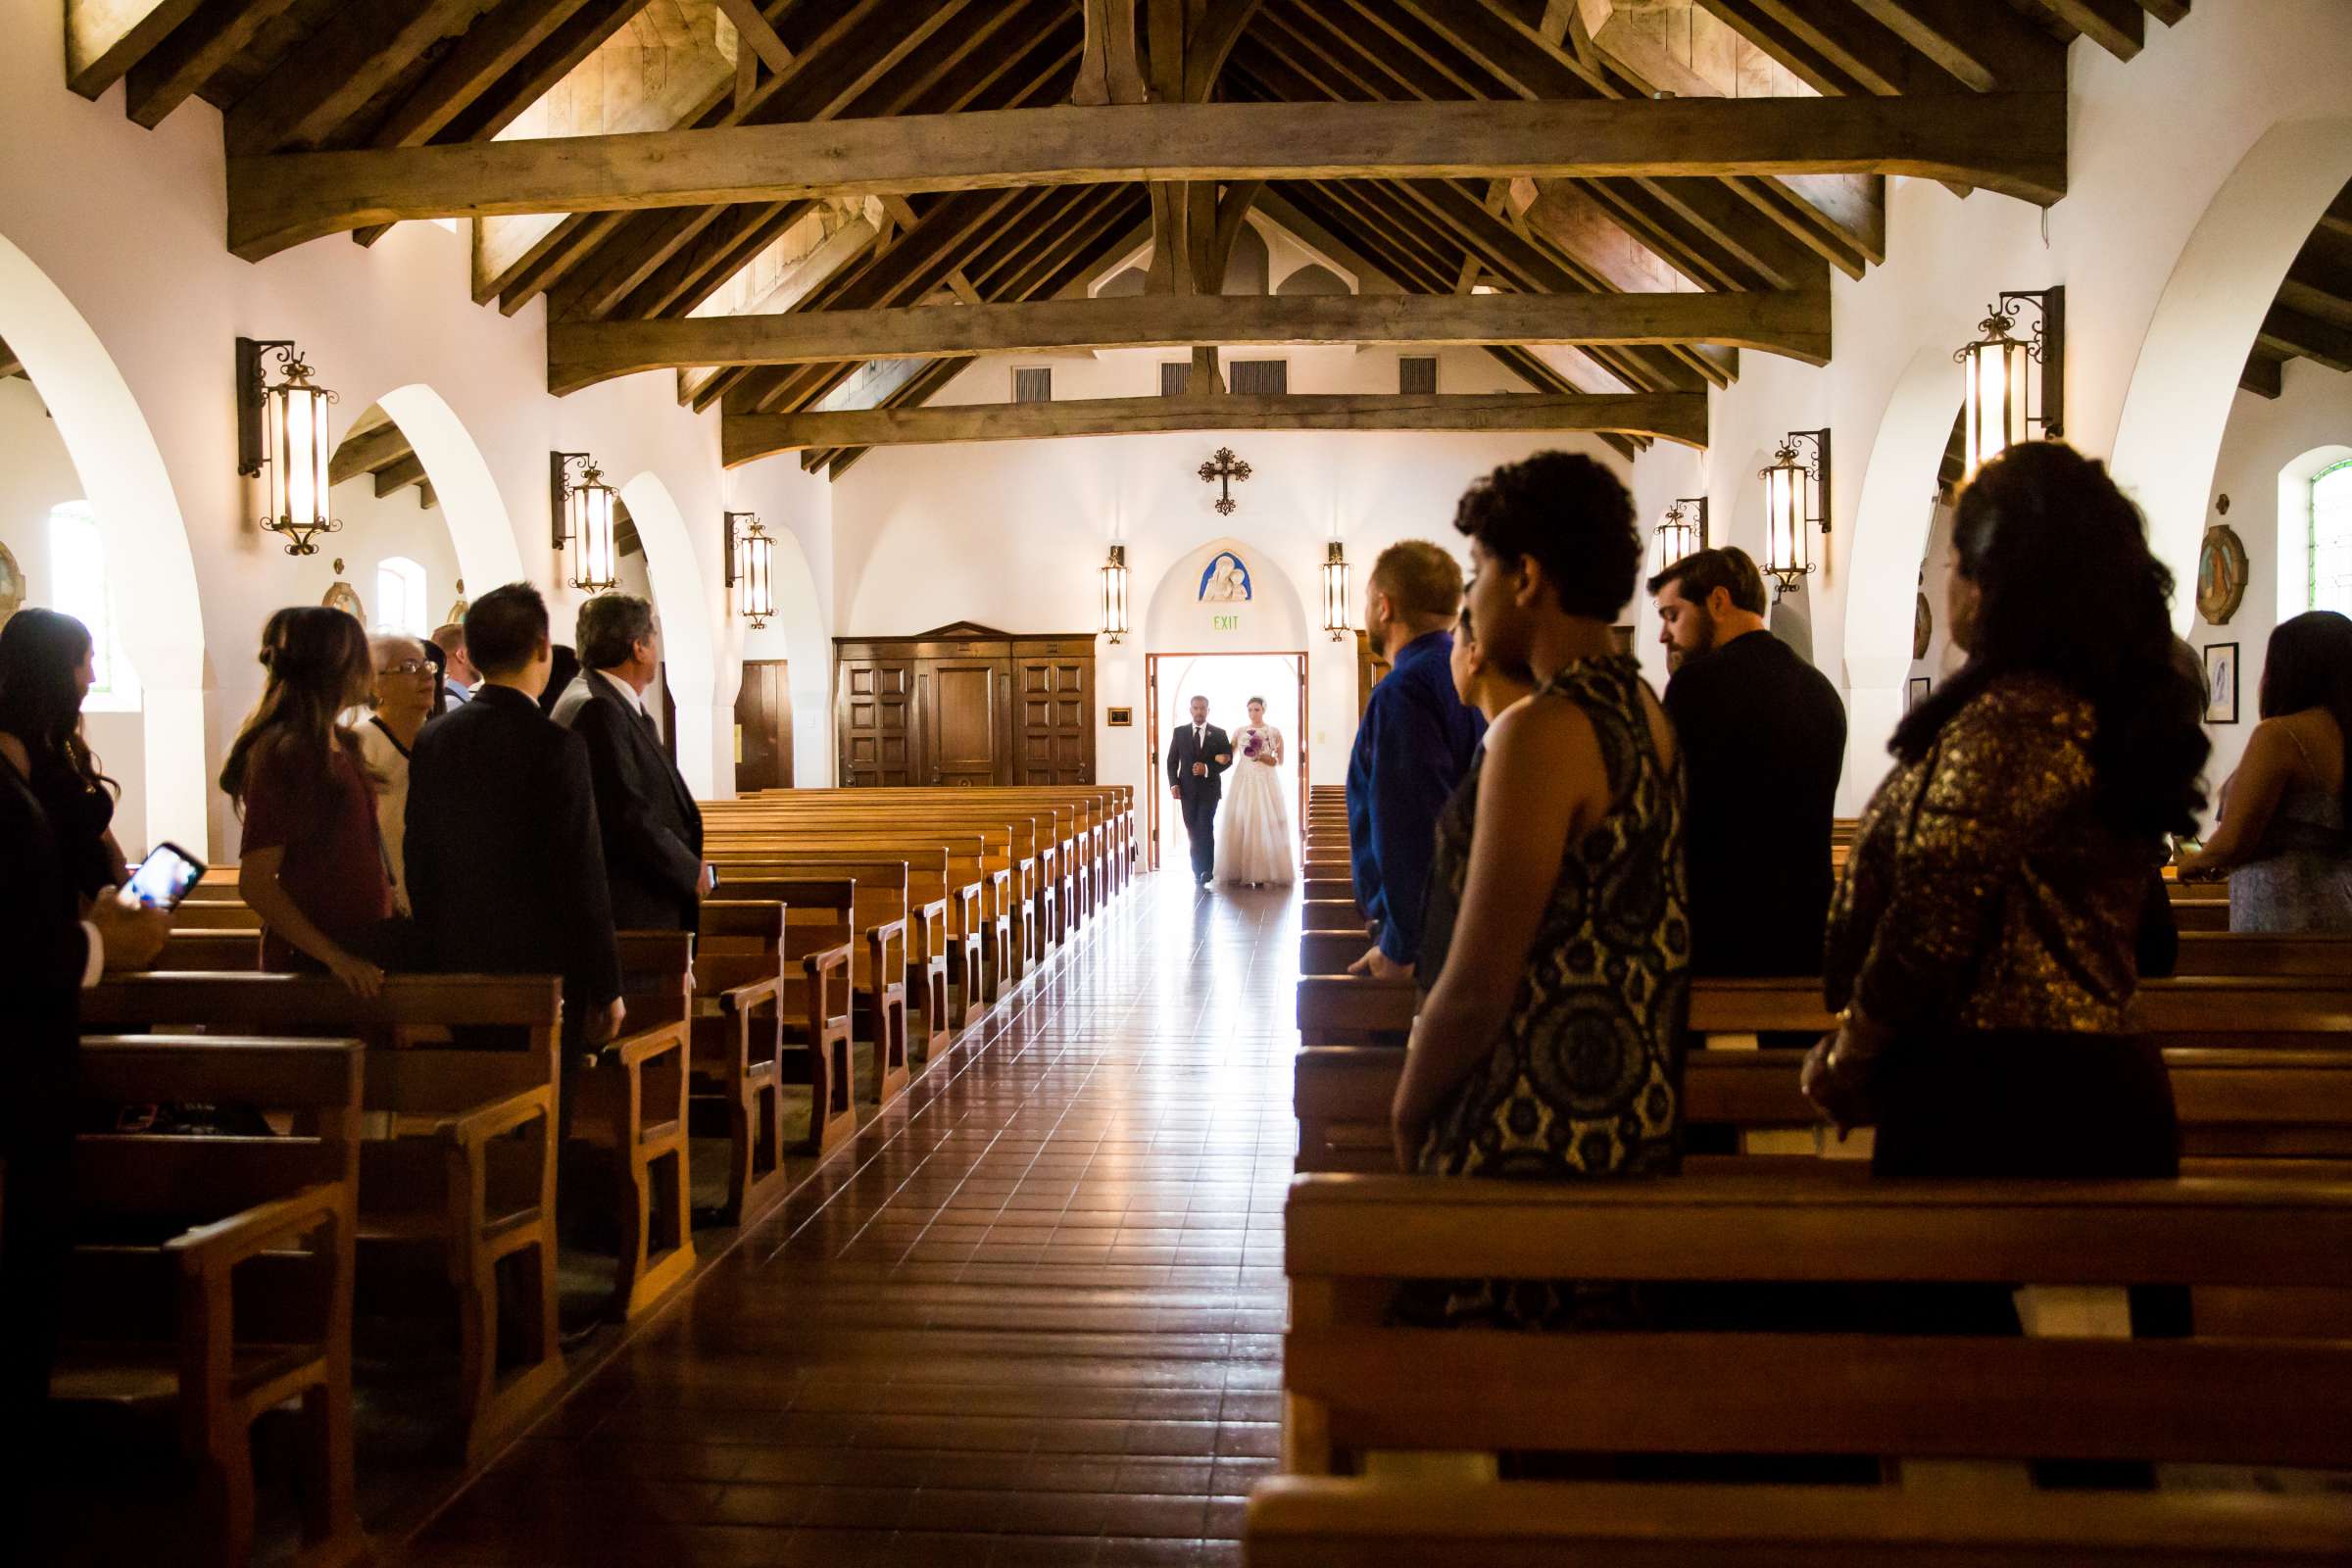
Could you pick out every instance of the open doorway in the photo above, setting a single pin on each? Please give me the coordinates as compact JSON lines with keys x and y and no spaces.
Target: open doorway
{"x":1228,"y":680}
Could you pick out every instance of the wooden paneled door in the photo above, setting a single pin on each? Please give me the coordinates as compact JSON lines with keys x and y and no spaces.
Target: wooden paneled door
{"x":964,"y":705}
{"x":763,"y":727}
{"x":877,"y":717}
{"x":1053,"y":718}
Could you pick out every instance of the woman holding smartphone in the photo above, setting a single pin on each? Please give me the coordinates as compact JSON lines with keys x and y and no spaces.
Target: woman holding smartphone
{"x":45,"y":672}
{"x":312,"y":864}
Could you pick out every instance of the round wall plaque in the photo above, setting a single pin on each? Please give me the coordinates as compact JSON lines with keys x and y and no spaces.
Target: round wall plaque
{"x":2221,"y":574}
{"x":1923,"y":629}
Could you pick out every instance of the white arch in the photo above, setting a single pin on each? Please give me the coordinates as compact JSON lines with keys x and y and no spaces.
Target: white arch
{"x":1281,"y":615}
{"x":479,"y":528}
{"x":130,"y":492}
{"x":1891,"y":538}
{"x":810,"y":660}
{"x":2176,"y":410}
{"x":690,"y":639}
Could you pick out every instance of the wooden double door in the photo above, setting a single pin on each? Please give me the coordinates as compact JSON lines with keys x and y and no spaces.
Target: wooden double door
{"x":966,"y":705}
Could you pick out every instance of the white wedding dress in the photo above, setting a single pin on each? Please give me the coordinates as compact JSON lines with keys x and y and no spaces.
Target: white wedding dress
{"x":1253,"y":826}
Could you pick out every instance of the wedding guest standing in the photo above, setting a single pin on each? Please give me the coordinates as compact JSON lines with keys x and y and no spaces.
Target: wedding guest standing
{"x":2283,"y":837}
{"x":311,"y":865}
{"x":652,"y":829}
{"x":1764,"y":736}
{"x":1412,"y":747}
{"x":1492,"y":687}
{"x":45,"y":672}
{"x":458,"y":678}
{"x":403,"y":702}
{"x":1980,"y":945}
{"x":1547,"y":1046}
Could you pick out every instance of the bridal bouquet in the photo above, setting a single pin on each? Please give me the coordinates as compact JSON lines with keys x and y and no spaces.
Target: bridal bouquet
{"x":1253,"y":744}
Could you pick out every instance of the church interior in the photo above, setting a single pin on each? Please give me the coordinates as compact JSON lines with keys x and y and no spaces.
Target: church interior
{"x":967,"y":385}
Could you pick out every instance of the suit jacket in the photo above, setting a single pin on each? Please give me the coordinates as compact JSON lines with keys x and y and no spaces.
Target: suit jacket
{"x":1182,"y":757}
{"x":653,"y":831}
{"x":1412,"y":748}
{"x":506,"y":866}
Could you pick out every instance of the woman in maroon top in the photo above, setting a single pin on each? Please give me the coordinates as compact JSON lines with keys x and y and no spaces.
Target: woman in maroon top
{"x":312,"y":864}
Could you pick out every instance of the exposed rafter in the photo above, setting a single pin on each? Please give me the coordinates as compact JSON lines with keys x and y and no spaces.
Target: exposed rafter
{"x":2015,"y":143}
{"x":1672,"y":416}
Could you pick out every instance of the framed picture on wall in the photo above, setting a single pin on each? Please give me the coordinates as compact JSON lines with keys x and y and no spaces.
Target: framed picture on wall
{"x":1119,"y":717}
{"x":1915,"y":691}
{"x":2220,"y":683}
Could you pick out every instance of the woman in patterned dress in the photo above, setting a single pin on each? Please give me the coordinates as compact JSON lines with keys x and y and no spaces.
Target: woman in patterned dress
{"x":1548,"y":1047}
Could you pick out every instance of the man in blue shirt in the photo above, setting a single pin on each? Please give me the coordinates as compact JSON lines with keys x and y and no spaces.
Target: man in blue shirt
{"x":1412,"y":748}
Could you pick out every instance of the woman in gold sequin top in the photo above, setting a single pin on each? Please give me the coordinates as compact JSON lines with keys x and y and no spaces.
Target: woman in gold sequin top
{"x":1980,"y":945}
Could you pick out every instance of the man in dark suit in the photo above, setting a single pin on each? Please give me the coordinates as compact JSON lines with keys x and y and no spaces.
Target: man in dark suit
{"x":1198,"y":753}
{"x":1764,"y":736}
{"x":506,"y":866}
{"x":653,"y":831}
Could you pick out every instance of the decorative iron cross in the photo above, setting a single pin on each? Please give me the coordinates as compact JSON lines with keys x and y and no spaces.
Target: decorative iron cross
{"x":1226,"y":469}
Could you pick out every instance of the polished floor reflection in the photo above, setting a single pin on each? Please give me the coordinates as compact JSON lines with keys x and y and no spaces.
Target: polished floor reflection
{"x":1033,"y":1317}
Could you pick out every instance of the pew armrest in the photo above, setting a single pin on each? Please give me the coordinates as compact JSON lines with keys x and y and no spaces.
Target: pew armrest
{"x":636,"y":1049}
{"x":736,"y":1001}
{"x":500,"y":1116}
{"x":211,"y":1249}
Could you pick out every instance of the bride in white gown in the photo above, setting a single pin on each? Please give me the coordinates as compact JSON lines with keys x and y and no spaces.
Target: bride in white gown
{"x":1253,"y":829}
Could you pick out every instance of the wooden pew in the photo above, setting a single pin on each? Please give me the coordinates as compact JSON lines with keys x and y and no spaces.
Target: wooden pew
{"x":737,"y":1040}
{"x":876,"y":939}
{"x":215,"y":1273}
{"x":634,"y":1105}
{"x":819,"y":922}
{"x":471,"y":1173}
{"x":1356,"y":1383}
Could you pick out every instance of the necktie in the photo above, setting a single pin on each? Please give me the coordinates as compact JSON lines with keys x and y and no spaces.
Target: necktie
{"x":1200,"y":736}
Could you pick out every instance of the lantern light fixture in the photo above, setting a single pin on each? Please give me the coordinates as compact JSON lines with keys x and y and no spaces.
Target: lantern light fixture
{"x":1682,"y":532}
{"x":749,"y":559}
{"x":2014,"y":389}
{"x":281,"y":434}
{"x":586,"y":517}
{"x":1796,"y":499}
{"x":1335,"y":598}
{"x":1114,"y":595}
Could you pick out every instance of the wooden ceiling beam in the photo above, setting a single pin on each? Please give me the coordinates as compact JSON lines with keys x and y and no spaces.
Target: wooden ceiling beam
{"x":1989,"y":47}
{"x":407,"y":471}
{"x":365,"y":450}
{"x":1670,"y":415}
{"x":1831,"y":46}
{"x":2265,"y":375}
{"x":503,"y":39}
{"x":105,"y":38}
{"x":333,"y":73}
{"x":2014,"y":143}
{"x":171,"y":73}
{"x":537,"y":73}
{"x":2119,"y":26}
{"x":756,"y":34}
{"x":581,"y":354}
{"x":2289,"y":332}
{"x":1211,"y":44}
{"x":1109,"y":69}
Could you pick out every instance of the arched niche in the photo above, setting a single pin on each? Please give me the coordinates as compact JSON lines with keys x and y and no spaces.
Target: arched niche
{"x":2175,"y":413}
{"x":1273,"y":619}
{"x":690,"y":634}
{"x":130,"y":494}
{"x":1313,"y":278}
{"x":1890,"y":528}
{"x":479,"y":529}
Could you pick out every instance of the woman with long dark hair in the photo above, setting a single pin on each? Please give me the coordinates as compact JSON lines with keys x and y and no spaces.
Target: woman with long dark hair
{"x":2283,"y":836}
{"x":45,"y":672}
{"x":312,"y":864}
{"x":1980,"y":945}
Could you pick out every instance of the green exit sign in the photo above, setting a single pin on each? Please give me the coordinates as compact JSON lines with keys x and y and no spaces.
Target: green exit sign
{"x":1226,"y":623}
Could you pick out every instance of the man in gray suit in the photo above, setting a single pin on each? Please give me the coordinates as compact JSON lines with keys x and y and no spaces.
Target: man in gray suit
{"x":653,"y":831}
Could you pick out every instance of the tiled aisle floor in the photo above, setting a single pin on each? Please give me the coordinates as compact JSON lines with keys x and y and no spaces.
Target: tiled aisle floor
{"x":1035,"y":1319}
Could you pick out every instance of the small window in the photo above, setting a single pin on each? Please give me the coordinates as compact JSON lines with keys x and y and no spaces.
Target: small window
{"x":400,"y":593}
{"x":1175,"y":377}
{"x":1417,"y":373}
{"x":1033,"y":384}
{"x":82,"y":587}
{"x":1260,"y":378}
{"x":2330,"y":539}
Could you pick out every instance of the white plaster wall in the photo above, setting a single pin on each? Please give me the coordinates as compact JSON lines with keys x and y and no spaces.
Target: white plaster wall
{"x":2154,"y":141}
{"x":2265,"y":437}
{"x":129,"y":223}
{"x":374,"y":529}
{"x":1012,"y":535}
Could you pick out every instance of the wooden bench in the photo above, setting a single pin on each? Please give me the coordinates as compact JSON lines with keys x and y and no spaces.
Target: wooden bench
{"x":213,"y":1274}
{"x":819,"y":917}
{"x":737,"y":1042}
{"x":1356,"y":1383}
{"x":634,"y":1105}
{"x":878,"y":949}
{"x":469,"y":1174}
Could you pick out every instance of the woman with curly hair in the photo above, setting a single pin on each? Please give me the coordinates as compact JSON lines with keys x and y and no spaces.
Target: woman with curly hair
{"x":312,"y":864}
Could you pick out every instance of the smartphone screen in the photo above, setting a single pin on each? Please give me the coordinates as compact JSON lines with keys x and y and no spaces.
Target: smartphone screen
{"x":164,"y":877}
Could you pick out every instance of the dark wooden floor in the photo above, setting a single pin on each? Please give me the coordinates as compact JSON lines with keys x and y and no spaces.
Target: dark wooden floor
{"x":1035,"y":1318}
